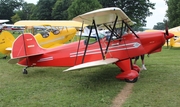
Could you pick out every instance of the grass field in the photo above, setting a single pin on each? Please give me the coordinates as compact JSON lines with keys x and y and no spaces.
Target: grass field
{"x":159,"y":85}
{"x":92,"y":87}
{"x":50,"y":87}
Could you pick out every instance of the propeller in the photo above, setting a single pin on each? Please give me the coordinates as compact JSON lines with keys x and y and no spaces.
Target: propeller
{"x":167,"y":34}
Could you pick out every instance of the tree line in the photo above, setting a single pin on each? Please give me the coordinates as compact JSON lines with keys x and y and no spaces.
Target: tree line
{"x":137,"y":10}
{"x":16,"y":10}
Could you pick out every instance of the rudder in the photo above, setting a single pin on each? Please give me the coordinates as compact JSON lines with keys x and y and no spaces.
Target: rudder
{"x":26,"y":45}
{"x":6,"y":41}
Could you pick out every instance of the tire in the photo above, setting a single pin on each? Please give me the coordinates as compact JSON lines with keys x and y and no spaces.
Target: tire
{"x":131,"y":80}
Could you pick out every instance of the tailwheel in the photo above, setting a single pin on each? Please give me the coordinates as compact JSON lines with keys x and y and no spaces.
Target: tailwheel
{"x":4,"y":57}
{"x":25,"y":71}
{"x":131,"y":80}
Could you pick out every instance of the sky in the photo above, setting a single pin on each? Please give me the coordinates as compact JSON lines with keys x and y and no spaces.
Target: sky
{"x":31,"y":1}
{"x":158,"y":13}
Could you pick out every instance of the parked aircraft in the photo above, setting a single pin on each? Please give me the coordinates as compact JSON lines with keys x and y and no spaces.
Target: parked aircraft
{"x":174,"y":41}
{"x":63,"y":32}
{"x":81,"y":54}
{"x":12,"y":28}
{"x":2,"y":22}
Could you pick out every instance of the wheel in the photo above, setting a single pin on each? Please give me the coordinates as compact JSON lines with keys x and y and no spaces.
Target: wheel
{"x":131,"y":80}
{"x":25,"y":71}
{"x":4,"y":57}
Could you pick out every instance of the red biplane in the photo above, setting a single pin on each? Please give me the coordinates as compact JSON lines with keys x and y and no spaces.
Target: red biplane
{"x":118,"y":48}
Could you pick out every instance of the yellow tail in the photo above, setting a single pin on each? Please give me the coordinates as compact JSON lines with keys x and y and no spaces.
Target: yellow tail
{"x":6,"y":41}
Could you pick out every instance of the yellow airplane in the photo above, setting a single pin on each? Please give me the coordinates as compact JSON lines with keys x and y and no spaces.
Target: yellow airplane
{"x":63,"y":32}
{"x":6,"y":40}
{"x":174,"y":41}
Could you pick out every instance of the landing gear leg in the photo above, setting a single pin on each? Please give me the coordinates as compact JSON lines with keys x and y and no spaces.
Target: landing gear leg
{"x":25,"y":70}
{"x":4,"y":57}
{"x":129,"y":74}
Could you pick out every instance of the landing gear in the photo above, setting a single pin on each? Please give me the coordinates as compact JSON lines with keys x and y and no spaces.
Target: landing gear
{"x":25,"y":70}
{"x":4,"y":57}
{"x":129,"y":72}
{"x":130,"y":76}
{"x":131,"y":80}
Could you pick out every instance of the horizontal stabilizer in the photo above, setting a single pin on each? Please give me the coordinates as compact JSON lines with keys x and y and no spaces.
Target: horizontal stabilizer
{"x":16,"y":60}
{"x":93,"y":64}
{"x":13,"y":61}
{"x":8,"y":49}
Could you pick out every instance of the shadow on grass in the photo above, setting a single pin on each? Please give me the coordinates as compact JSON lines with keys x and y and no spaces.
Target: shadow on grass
{"x":95,"y":77}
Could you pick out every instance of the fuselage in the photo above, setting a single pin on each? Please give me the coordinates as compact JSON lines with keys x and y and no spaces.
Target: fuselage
{"x":74,"y":53}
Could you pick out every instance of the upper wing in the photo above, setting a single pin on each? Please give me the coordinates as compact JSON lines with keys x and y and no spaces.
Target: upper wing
{"x":3,"y":21}
{"x":93,"y":64}
{"x":104,"y":16}
{"x":68,"y":23}
{"x":175,"y":31}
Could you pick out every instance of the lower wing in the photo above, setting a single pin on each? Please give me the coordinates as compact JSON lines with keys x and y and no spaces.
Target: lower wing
{"x":93,"y":64}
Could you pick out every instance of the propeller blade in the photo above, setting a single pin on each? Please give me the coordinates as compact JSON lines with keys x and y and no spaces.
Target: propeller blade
{"x":167,"y":34}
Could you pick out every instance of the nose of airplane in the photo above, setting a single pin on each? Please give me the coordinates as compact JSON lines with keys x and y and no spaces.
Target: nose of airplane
{"x":169,"y":35}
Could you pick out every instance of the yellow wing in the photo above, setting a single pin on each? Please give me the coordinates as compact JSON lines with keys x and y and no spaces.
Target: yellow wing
{"x":67,"y":23}
{"x":52,"y":40}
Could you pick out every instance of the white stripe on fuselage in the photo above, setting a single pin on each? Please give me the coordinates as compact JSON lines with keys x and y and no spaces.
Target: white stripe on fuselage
{"x":112,"y":48}
{"x":45,"y":59}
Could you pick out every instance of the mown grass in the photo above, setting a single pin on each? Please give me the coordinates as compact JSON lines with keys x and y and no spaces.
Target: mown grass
{"x":92,"y":87}
{"x":159,"y":85}
{"x":50,"y":87}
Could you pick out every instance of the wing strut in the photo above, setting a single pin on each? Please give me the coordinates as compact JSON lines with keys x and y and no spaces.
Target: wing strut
{"x":130,"y":29}
{"x":98,"y":39}
{"x":87,"y":44}
{"x":94,"y":25}
{"x":110,"y":29}
{"x":111,"y":34}
{"x":79,"y":41}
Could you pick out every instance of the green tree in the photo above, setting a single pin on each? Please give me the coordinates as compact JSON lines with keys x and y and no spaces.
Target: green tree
{"x":43,"y":10}
{"x":7,"y":8}
{"x":26,"y":11}
{"x":15,"y":18}
{"x":108,"y":3}
{"x":159,"y":26}
{"x":60,"y":9}
{"x":136,"y":10}
{"x":82,"y":6}
{"x":173,"y":13}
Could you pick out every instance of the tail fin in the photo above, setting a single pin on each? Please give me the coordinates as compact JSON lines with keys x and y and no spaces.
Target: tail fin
{"x":24,"y":46}
{"x":6,"y":41}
